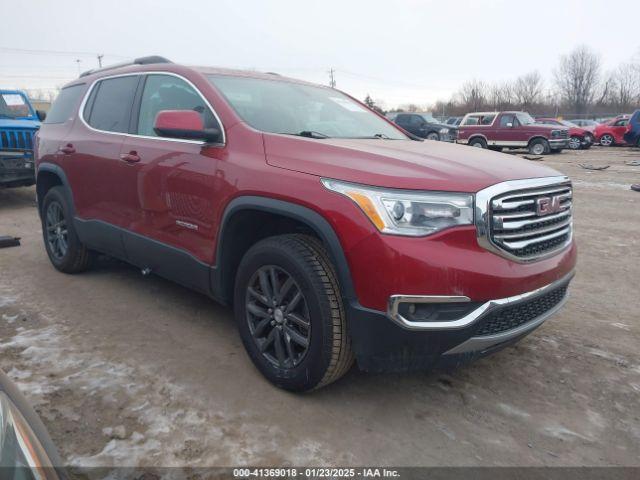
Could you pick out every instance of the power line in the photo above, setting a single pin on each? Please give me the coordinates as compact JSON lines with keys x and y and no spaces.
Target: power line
{"x":56,"y":52}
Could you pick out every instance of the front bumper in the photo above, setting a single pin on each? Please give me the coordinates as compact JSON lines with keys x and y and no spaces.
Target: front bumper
{"x":394,"y":343}
{"x":558,"y":143}
{"x":16,"y":168}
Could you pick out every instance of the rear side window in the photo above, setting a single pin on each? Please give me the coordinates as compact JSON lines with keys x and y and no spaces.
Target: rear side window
{"x":110,"y":109}
{"x":473,"y":120}
{"x":166,"y":92}
{"x":487,"y":119}
{"x":65,"y":104}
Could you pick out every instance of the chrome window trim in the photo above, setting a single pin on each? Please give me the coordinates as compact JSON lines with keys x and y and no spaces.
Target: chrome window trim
{"x":154,"y":72}
{"x":483,"y":217}
{"x":470,"y":318}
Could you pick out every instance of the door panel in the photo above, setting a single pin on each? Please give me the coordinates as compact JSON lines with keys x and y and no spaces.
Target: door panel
{"x":174,"y":180}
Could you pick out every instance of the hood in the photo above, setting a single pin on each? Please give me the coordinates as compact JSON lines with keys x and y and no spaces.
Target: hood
{"x":19,"y":124}
{"x":547,"y":126}
{"x":400,"y":163}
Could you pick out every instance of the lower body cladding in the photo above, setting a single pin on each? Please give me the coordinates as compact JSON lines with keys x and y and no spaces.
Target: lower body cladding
{"x":422,"y":333}
{"x":16,"y":168}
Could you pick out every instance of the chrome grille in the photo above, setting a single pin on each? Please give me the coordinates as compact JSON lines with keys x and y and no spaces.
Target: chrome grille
{"x":533,"y":222}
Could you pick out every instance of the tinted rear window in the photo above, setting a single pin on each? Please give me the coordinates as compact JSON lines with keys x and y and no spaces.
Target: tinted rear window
{"x":111,"y":108}
{"x":65,"y":104}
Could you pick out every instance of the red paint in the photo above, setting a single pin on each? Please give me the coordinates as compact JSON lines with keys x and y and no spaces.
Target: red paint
{"x":504,"y":136}
{"x":184,"y":181}
{"x":179,"y":120}
{"x":573,"y":131}
{"x":615,"y":127}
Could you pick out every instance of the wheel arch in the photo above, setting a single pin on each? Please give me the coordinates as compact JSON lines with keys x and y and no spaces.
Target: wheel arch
{"x":245,"y":222}
{"x":477,"y":135}
{"x":537,"y":137}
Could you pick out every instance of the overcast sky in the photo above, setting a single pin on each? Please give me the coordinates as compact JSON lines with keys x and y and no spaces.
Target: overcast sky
{"x":398,"y":51}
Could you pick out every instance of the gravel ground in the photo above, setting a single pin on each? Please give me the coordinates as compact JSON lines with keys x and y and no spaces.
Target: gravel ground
{"x":132,"y":370}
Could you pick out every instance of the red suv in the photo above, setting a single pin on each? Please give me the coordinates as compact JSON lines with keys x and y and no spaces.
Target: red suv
{"x":498,"y":130}
{"x":333,"y":235}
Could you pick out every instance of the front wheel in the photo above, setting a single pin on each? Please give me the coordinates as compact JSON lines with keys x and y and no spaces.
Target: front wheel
{"x":539,"y":146}
{"x":606,"y":140}
{"x":575,"y":143}
{"x":433,"y":136}
{"x":290,"y":315}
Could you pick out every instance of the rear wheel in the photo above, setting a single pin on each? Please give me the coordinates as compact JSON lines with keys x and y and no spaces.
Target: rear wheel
{"x":574,"y":143}
{"x":606,"y":140}
{"x":290,"y":315}
{"x":478,"y":142}
{"x":539,"y":146}
{"x":61,"y":241}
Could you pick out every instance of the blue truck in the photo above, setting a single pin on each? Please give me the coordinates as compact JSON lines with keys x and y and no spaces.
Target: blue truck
{"x":19,"y":122}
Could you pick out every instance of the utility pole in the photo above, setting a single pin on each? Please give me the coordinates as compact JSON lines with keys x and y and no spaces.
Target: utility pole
{"x":332,"y":79}
{"x":100,"y":55}
{"x":78,"y":63}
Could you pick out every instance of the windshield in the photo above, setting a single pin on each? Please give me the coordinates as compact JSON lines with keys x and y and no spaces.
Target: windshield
{"x":524,"y":118}
{"x":285,"y":107}
{"x":14,"y":105}
{"x":429,"y":118}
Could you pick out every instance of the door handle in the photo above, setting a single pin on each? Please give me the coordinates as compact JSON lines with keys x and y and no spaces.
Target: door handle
{"x":68,"y":149}
{"x":131,"y":157}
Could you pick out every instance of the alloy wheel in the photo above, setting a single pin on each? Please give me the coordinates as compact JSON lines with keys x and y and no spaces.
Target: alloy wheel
{"x":606,"y":140}
{"x":538,"y":149}
{"x":574,"y":143}
{"x":278,"y":316}
{"x":56,"y":230}
{"x":433,"y":136}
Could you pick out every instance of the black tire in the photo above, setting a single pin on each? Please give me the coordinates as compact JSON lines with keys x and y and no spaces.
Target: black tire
{"x":478,"y":142}
{"x":66,"y":252}
{"x":328,"y":355}
{"x":608,"y":139}
{"x":539,"y":146}
{"x":435,"y":136}
{"x":575,"y":143}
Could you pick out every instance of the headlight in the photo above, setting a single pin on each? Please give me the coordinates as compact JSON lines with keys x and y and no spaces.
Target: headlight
{"x":444,"y":131}
{"x":20,"y":447}
{"x":406,"y":212}
{"x":555,"y":133}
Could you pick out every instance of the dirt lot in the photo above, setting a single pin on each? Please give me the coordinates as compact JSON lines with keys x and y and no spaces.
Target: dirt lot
{"x":133,"y":370}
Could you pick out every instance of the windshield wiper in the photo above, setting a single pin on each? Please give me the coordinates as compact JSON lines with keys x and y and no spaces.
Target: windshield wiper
{"x":307,"y":133}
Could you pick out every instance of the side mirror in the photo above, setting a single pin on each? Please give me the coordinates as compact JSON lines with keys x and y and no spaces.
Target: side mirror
{"x":185,"y":124}
{"x":41,"y":114}
{"x":509,"y":125}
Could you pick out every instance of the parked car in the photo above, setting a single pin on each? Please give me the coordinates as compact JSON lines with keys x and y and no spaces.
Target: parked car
{"x":455,"y":121}
{"x":612,"y":133}
{"x":632,"y":135}
{"x":498,"y":130}
{"x":19,"y":122}
{"x":589,"y":125}
{"x":331,"y":233}
{"x":424,"y":125}
{"x":579,"y":138}
{"x":26,"y":450}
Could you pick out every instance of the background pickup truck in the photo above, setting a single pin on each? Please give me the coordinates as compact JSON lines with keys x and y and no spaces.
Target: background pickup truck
{"x":19,"y":122}
{"x":498,"y":130}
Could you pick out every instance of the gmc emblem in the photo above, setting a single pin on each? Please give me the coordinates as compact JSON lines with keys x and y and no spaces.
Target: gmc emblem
{"x":547,"y":205}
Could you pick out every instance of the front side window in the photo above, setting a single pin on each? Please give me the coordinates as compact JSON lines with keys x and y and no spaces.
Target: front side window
{"x":110,"y":109}
{"x":279,"y":106}
{"x":166,"y":92}
{"x":64,"y":106}
{"x":14,"y":105}
{"x":506,"y":119}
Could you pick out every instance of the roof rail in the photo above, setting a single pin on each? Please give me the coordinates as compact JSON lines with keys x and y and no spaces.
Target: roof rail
{"x":138,"y":61}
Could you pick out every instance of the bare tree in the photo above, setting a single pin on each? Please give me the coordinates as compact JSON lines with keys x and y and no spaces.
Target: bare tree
{"x":528,"y":89}
{"x":577,"y":78}
{"x":501,"y":96}
{"x":473,"y":95}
